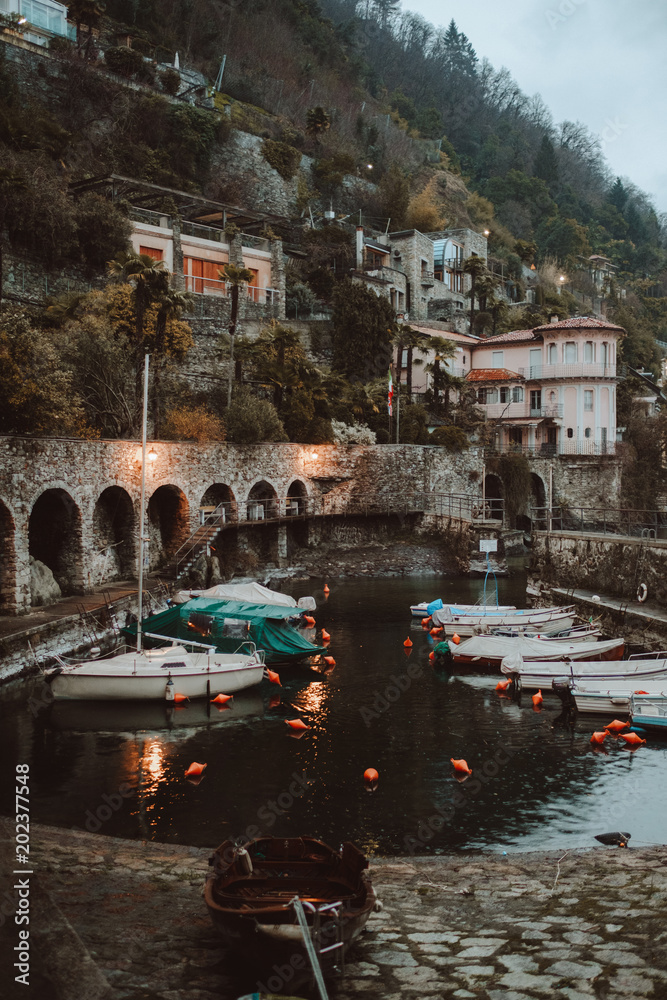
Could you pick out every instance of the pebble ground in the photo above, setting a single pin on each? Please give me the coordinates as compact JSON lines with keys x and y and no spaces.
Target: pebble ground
{"x":123,"y":920}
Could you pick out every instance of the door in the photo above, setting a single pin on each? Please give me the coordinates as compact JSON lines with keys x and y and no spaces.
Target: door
{"x":535,"y":362}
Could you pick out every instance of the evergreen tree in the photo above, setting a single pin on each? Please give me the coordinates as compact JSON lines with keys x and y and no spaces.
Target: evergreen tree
{"x":618,"y":196}
{"x":546,"y":164}
{"x":363,"y":327}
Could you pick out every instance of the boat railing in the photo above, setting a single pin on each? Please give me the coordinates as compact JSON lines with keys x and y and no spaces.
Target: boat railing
{"x":169,"y":640}
{"x":658,"y":655}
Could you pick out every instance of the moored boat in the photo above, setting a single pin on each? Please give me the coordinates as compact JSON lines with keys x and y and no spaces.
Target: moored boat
{"x":157,"y":674}
{"x":493,"y":650}
{"x":602,"y":697}
{"x":249,"y":593}
{"x":547,"y":620}
{"x":428,"y":607}
{"x":251,"y":899}
{"x":649,"y":711}
{"x":622,"y":673}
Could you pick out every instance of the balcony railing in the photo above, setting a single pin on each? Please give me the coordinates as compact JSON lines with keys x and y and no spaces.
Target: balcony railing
{"x":581,"y":369}
{"x":546,"y":449}
{"x":212,"y":286}
{"x":646,"y":524}
{"x":494,"y":411}
{"x":160,"y":219}
{"x":204,"y":232}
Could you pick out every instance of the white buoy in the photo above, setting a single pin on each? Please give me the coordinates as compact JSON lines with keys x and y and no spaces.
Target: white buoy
{"x":595,"y":598}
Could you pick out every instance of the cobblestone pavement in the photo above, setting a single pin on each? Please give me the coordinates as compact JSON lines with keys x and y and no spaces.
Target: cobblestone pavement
{"x":122,"y":920}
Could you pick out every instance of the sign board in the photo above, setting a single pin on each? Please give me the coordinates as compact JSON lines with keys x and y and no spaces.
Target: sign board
{"x":488,"y":545}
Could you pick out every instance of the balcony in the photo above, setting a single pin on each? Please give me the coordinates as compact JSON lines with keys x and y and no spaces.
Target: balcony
{"x":581,"y":369}
{"x":548,"y":450}
{"x":212,"y":286}
{"x":518,"y":411}
{"x":426,"y":279}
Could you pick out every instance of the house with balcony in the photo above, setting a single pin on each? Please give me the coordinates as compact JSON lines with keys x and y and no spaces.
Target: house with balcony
{"x":551,"y":390}
{"x":196,"y":237}
{"x":41,"y":20}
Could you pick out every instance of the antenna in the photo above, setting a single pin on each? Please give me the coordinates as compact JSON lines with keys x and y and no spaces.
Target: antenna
{"x":218,"y":79}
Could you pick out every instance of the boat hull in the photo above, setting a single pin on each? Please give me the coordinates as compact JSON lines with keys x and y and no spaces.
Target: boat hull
{"x":551,"y":651}
{"x":466,"y":625}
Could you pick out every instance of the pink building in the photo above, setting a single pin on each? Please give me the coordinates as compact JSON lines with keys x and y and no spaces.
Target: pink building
{"x":552,"y":390}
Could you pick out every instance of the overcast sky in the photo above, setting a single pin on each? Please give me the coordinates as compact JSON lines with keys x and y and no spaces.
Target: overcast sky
{"x":602,"y":62}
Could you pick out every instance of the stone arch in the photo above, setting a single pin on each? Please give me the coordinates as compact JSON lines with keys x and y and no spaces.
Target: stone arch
{"x":221,"y":496}
{"x":54,"y":539}
{"x":262,"y":501}
{"x":494,"y":493}
{"x":114,"y":522}
{"x":168,"y":523}
{"x":297,"y":496}
{"x":7,"y":560}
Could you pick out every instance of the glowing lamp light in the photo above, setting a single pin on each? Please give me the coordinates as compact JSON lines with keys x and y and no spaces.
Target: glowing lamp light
{"x":369,"y":166}
{"x":487,"y":232}
{"x":152,"y":455}
{"x":313,"y":455}
{"x":562,"y":278}
{"x":22,"y":20}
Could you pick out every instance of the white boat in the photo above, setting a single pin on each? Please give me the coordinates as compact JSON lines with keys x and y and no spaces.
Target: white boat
{"x":649,"y":711}
{"x":422,"y":610}
{"x":614,"y":695}
{"x":578,"y":633}
{"x":249,"y":593}
{"x":157,"y":674}
{"x":546,"y":619}
{"x":496,"y":650}
{"x":621,"y":673}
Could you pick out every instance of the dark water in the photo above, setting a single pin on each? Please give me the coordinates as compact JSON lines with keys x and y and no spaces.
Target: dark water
{"x":119,"y":769}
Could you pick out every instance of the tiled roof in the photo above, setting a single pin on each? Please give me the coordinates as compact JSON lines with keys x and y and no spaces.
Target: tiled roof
{"x":493,"y":375}
{"x":508,"y":338}
{"x":579,"y":323}
{"x":460,"y":338}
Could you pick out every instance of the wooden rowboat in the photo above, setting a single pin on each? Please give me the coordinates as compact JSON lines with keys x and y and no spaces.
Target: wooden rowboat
{"x":250,"y":897}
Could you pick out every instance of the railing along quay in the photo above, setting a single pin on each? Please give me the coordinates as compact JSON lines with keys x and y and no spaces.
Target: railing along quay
{"x":629,"y":522}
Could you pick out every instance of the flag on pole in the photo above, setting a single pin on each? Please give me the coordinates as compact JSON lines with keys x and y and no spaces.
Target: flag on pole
{"x":390,"y":394}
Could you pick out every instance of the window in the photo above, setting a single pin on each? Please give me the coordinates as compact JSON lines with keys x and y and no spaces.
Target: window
{"x":504,"y":394}
{"x":153,"y":252}
{"x":605,"y":353}
{"x":588,"y":399}
{"x":570,"y":352}
{"x":587,"y":432}
{"x":497,"y":359}
{"x":404,"y":358}
{"x":570,"y":432}
{"x":481,"y":396}
{"x":492,"y":395}
{"x":552,"y":354}
{"x":516,"y":435}
{"x":536,"y":399}
{"x":552,"y":397}
{"x":464,"y":359}
{"x":517,"y":394}
{"x":589,"y":351}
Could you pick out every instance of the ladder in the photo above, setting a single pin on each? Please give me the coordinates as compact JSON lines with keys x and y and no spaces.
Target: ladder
{"x":314,"y":940}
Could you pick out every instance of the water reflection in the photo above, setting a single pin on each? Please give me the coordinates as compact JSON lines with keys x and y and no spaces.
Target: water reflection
{"x":536,"y":781}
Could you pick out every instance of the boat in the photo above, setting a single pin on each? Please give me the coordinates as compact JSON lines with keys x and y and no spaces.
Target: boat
{"x":158,"y":674}
{"x":468,"y":623}
{"x":606,"y":695}
{"x":250,"y":593}
{"x":228,"y":623}
{"x":256,"y":895}
{"x":578,"y":633}
{"x":426,"y":608}
{"x":540,"y":673}
{"x":649,"y":711}
{"x":494,"y":650}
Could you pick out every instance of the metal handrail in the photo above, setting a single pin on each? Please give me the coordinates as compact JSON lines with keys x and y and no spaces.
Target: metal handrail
{"x":629,"y":522}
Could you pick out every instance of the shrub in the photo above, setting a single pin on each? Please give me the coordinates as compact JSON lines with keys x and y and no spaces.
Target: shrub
{"x":283,"y":158}
{"x":124,"y":61}
{"x":382,"y":436}
{"x":103,"y":232}
{"x":170,"y":81}
{"x":250,"y":420}
{"x":451,"y":438}
{"x":353,"y":433}
{"x":193,"y":424}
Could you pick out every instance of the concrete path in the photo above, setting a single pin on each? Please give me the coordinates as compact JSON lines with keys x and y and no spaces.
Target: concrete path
{"x":123,"y":920}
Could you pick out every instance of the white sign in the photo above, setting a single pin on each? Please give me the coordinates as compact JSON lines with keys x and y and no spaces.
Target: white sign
{"x":488,"y":545}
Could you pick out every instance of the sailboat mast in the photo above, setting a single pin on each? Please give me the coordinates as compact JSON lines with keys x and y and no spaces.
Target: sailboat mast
{"x":140,"y":612}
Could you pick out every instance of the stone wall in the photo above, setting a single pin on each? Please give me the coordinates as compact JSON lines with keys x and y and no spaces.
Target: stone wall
{"x":614,"y":566}
{"x":74,"y":505}
{"x":580,"y":480}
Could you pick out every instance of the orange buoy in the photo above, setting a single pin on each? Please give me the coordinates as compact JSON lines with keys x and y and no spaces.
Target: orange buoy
{"x":274,"y":701}
{"x":632,"y":739}
{"x":456,"y":639}
{"x":221,"y":699}
{"x":325,"y":635}
{"x":537,"y":699}
{"x":370,"y":775}
{"x":309,"y":620}
{"x":426,"y":622}
{"x":408,"y":642}
{"x":502,"y":685}
{"x":640,"y":692}
{"x":599,"y":737}
{"x":436,"y":631}
{"x":272,"y":676}
{"x":461,"y":765}
{"x":616,"y":726}
{"x":195,"y":770}
{"x":329,"y":660}
{"x":296,"y":724}
{"x":325,"y":589}
{"x":431,"y":656}
{"x":181,"y":697}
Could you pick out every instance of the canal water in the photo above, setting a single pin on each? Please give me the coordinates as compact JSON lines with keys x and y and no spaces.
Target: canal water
{"x":118,"y":769}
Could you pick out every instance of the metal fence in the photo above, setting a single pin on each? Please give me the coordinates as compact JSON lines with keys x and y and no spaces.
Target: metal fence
{"x":645,"y":524}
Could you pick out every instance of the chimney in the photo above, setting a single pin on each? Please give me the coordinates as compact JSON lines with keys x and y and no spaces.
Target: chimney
{"x":554,"y":319}
{"x":360,"y":247}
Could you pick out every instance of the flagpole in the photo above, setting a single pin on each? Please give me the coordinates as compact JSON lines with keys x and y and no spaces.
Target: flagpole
{"x":142,"y":504}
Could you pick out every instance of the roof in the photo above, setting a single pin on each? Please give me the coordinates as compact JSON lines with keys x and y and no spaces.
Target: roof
{"x":459,"y":338}
{"x":493,"y":375}
{"x":509,"y":338}
{"x":579,"y":323}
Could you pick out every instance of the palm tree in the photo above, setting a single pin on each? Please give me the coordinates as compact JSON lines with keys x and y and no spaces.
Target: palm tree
{"x":475,"y":267}
{"x":444,"y":350}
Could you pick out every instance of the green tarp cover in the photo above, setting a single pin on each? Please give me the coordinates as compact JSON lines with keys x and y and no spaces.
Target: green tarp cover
{"x":269,"y":627}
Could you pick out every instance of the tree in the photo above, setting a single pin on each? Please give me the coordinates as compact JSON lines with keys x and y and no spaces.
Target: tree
{"x":88,"y":12}
{"x":445,"y":350}
{"x":250,"y":420}
{"x":236,"y":277}
{"x":170,"y":306}
{"x":475,"y":268}
{"x":363,"y":327}
{"x":424,"y":213}
{"x":317,"y":122}
{"x":546,"y":164}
